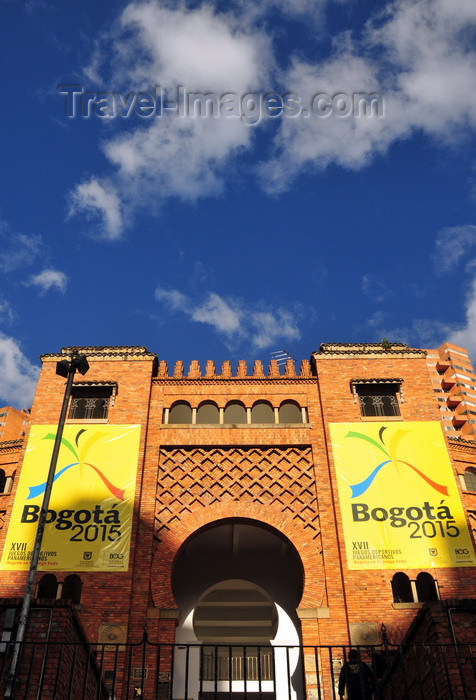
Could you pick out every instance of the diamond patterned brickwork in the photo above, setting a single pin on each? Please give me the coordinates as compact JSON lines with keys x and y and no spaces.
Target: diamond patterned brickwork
{"x":204,"y":476}
{"x":198,"y":486}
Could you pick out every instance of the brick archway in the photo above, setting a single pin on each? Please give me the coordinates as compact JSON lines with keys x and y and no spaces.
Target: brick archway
{"x":270,"y":515}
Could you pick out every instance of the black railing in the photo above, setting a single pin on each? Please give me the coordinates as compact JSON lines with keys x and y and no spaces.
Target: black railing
{"x":79,"y":671}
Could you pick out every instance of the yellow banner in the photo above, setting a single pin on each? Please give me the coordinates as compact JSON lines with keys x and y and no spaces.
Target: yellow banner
{"x":398,"y":496}
{"x":89,"y":518}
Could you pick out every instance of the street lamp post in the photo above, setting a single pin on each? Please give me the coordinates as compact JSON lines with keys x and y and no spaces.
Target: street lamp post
{"x":67,"y":369}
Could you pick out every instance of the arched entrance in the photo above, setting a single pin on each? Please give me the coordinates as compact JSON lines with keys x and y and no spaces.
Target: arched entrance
{"x":237,"y":583}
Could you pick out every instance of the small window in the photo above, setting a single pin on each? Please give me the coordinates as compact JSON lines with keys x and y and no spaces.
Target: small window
{"x":235,"y":412}
{"x":208,"y":412}
{"x":262,"y":412}
{"x":421,"y":590}
{"x":378,"y":399}
{"x":470,"y":479}
{"x":6,"y":482}
{"x":72,"y":588}
{"x":180,"y":412}
{"x":90,"y":402}
{"x":290,"y":412}
{"x":426,"y":587}
{"x":402,"y":588}
{"x":47,"y":586}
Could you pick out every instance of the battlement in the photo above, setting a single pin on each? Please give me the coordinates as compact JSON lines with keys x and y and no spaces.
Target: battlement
{"x":275,"y":371}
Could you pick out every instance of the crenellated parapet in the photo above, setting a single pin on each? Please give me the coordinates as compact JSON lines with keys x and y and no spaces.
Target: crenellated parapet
{"x":274,"y":371}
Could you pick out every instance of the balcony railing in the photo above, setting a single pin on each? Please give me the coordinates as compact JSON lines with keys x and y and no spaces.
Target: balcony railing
{"x":79,"y":671}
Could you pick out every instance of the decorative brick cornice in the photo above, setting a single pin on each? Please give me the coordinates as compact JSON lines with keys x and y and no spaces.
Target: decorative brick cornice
{"x":386,"y":380}
{"x":460,"y":445}
{"x":329,"y":350}
{"x":11,"y":445}
{"x":115,"y":352}
{"x":174,"y":381}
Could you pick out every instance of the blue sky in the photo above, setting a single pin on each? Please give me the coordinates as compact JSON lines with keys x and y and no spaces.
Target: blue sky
{"x":277,"y":220}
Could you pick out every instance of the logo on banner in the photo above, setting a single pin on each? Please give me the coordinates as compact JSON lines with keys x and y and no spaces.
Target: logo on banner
{"x":89,"y":517}
{"x":391,"y":453}
{"x":400,"y":505}
{"x":80,"y":455}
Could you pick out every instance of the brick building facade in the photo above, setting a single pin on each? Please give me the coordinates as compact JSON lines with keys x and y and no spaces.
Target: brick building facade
{"x":237,"y":531}
{"x":13,"y":423}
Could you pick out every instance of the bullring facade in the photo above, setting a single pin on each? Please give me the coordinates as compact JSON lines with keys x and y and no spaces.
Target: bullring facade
{"x":237,"y":532}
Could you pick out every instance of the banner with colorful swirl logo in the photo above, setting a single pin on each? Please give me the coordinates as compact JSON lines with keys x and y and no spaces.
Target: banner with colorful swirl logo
{"x":398,"y":497}
{"x":89,"y":518}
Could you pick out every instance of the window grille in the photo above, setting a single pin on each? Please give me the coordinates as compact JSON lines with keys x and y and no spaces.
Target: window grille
{"x":90,"y":402}
{"x":379,"y":405}
{"x":470,"y":479}
{"x":377,"y":397}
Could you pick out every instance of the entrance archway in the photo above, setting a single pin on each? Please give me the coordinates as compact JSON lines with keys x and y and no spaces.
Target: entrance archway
{"x":237,"y":583}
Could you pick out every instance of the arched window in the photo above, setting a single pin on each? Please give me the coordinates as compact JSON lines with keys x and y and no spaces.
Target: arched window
{"x":72,"y":588}
{"x":180,"y":412}
{"x":290,"y":412}
{"x":402,"y":588}
{"x":470,"y":479}
{"x":207,"y":412}
{"x":47,"y":586}
{"x":426,"y":587}
{"x":3,"y":481}
{"x":235,"y":412}
{"x":262,"y":412}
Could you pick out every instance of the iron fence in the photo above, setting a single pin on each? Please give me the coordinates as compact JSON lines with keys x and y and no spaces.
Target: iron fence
{"x":80,"y":671}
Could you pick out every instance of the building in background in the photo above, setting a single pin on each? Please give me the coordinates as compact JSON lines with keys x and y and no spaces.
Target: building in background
{"x":14,"y":426}
{"x":13,"y":423}
{"x":252,"y":517}
{"x":454,"y":384}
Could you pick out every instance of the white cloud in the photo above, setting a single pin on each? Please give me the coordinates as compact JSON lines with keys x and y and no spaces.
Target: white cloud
{"x":49,"y":279}
{"x":200,"y":49}
{"x":173,"y":298}
{"x":225,"y":316}
{"x":17,"y":249}
{"x":310,"y":11}
{"x":18,"y":376}
{"x":192,"y":162}
{"x":318,"y":141}
{"x":197,"y":48}
{"x":271,"y":327}
{"x":419,"y":55}
{"x":452,"y":245}
{"x":6,"y":312}
{"x":235,"y":320}
{"x":98,"y":199}
{"x":373,"y":288}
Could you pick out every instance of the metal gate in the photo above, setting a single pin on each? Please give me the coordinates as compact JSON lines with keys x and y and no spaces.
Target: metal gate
{"x":80,"y":671}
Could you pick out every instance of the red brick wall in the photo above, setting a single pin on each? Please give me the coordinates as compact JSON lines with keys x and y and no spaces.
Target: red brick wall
{"x":307,"y":513}
{"x":368,"y":595}
{"x":106,"y":597}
